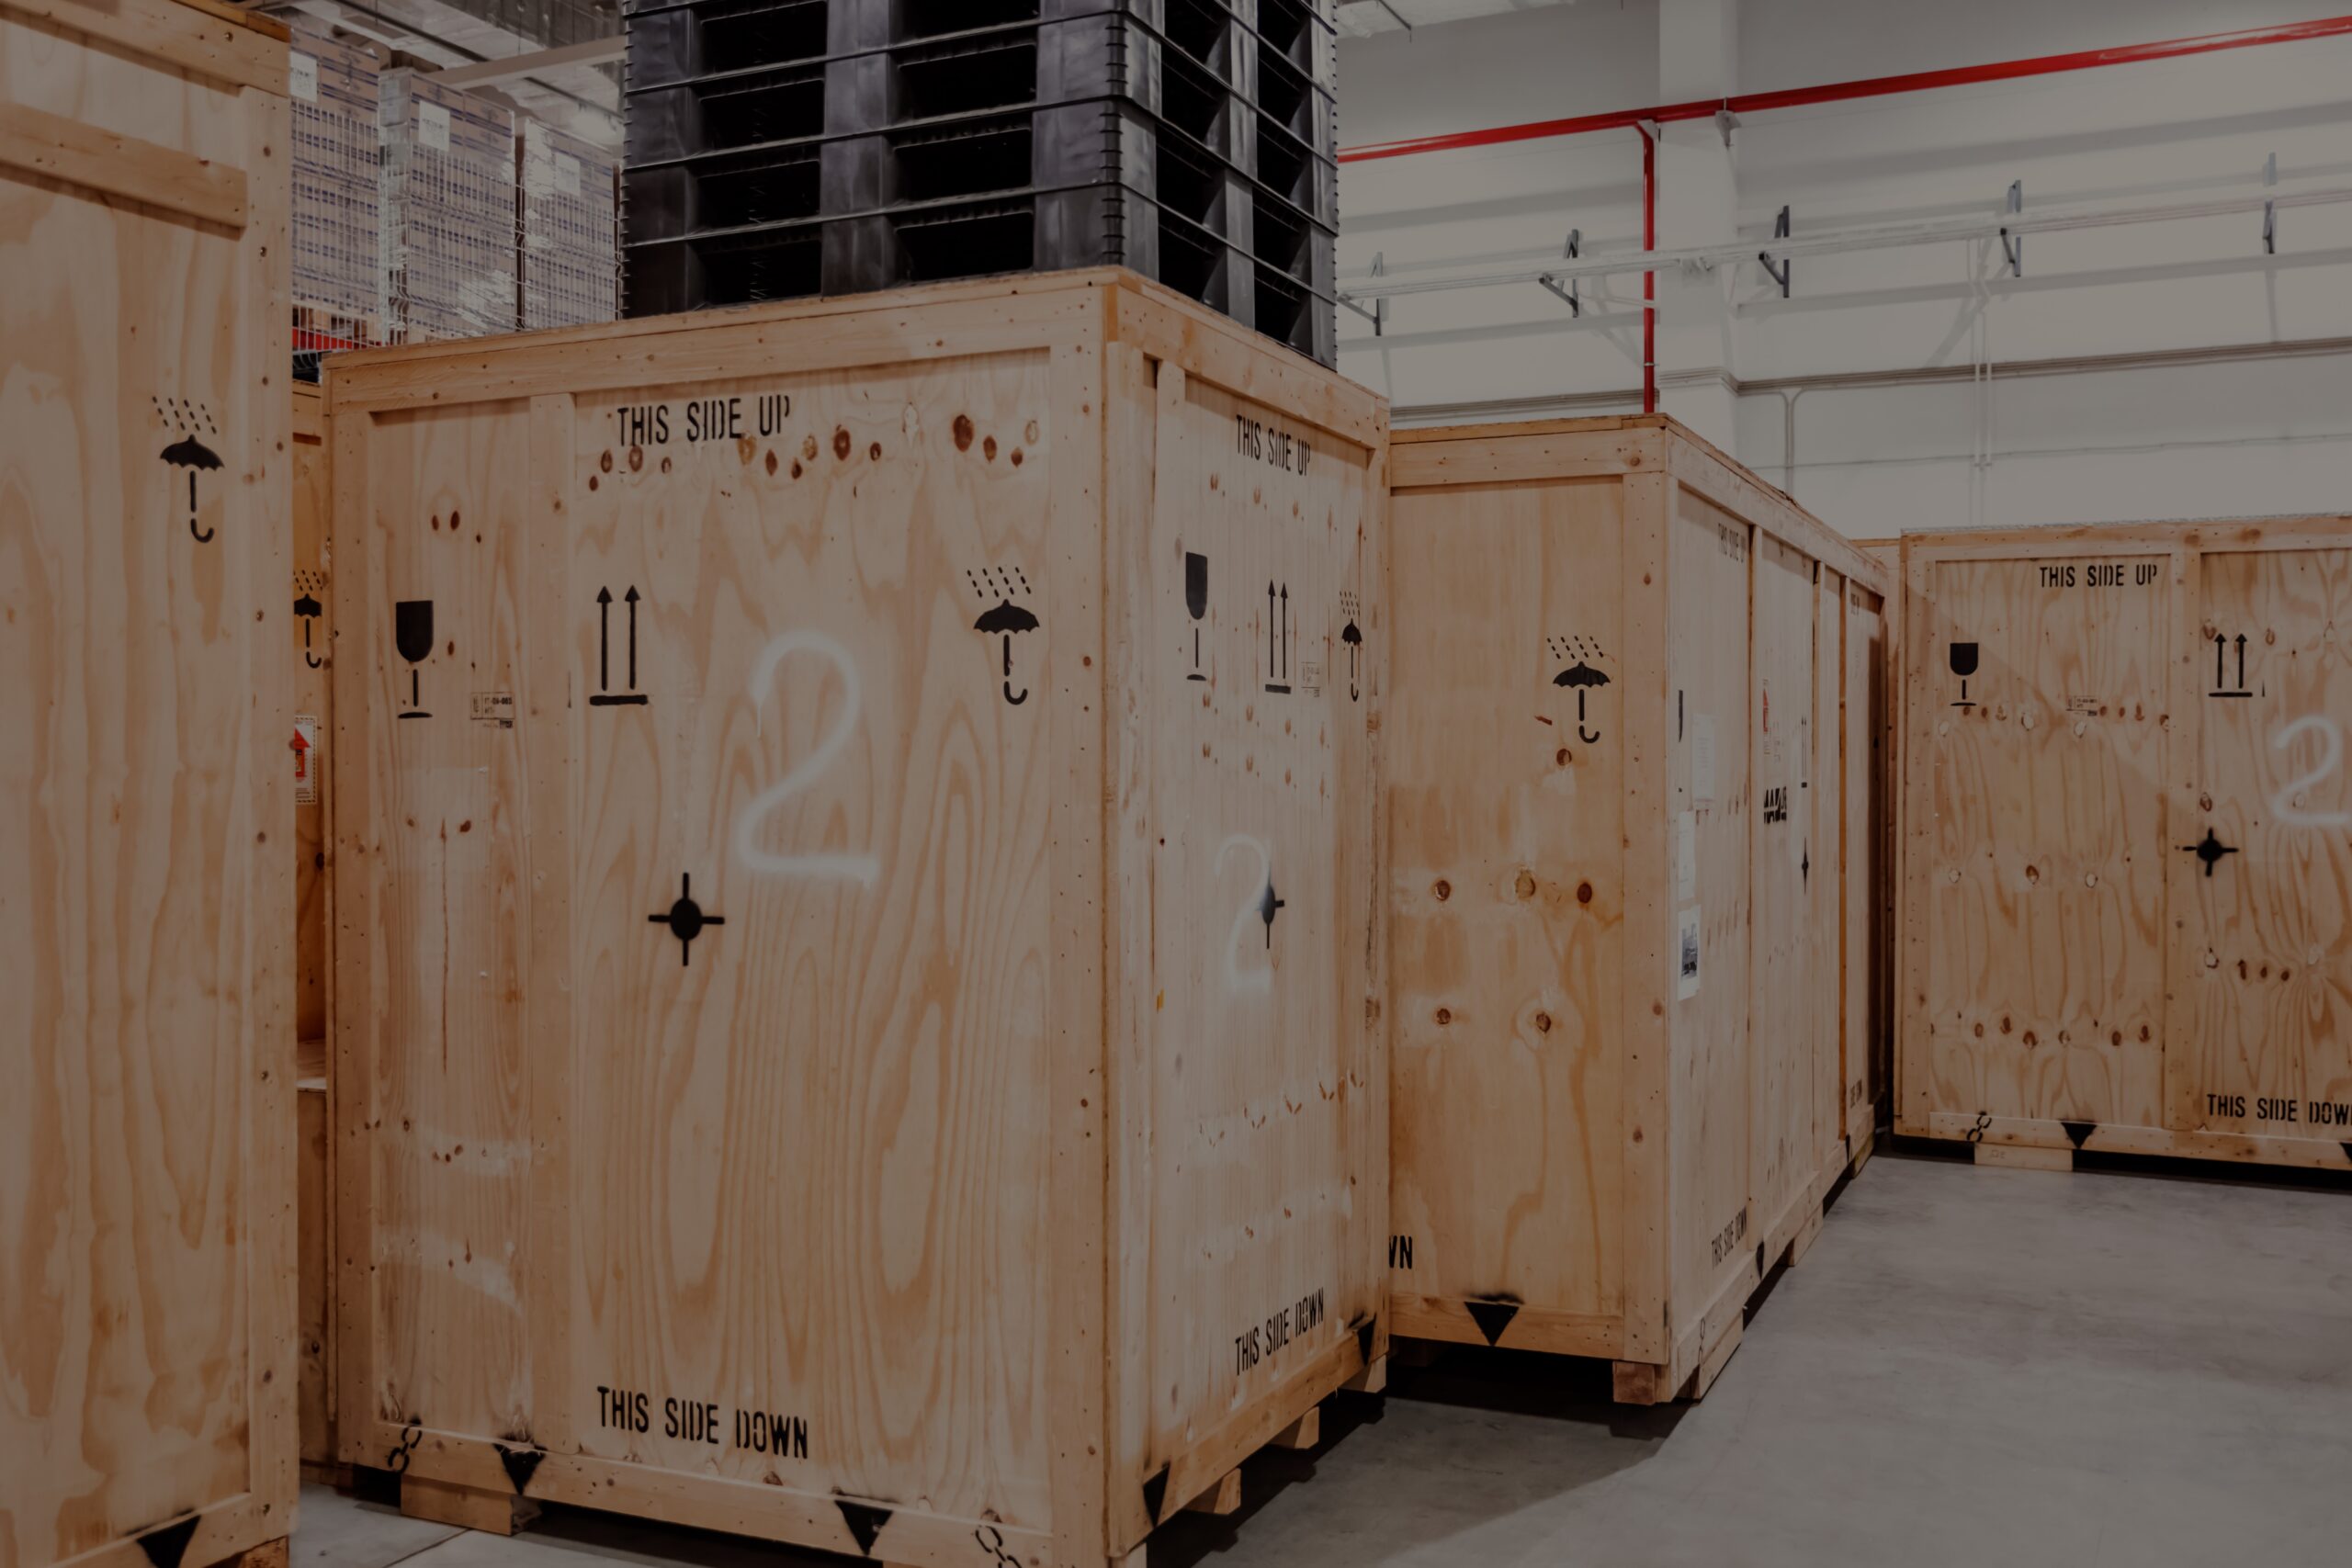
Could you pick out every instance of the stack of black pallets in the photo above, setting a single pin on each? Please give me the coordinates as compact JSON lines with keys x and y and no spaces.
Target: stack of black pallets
{"x":784,"y":147}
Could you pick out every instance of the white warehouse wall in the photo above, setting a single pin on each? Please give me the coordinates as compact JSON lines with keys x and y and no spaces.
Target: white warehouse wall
{"x":2142,"y":371}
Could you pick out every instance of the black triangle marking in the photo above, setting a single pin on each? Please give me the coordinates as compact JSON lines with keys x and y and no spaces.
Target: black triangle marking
{"x":864,"y":1520}
{"x":165,"y":1544}
{"x":2079,"y":1132}
{"x":2347,"y":1152}
{"x":1492,"y":1317}
{"x":1365,"y":1332}
{"x":520,"y":1463}
{"x":1155,"y":1493}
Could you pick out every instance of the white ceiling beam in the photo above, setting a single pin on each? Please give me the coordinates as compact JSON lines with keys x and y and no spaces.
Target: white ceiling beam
{"x":594,"y":51}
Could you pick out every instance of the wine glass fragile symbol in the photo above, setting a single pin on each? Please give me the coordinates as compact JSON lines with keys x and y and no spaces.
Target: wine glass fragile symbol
{"x":1196,"y":604}
{"x":413,"y":635}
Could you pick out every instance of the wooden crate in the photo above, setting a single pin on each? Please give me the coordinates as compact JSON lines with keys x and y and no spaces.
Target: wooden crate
{"x":2125,"y":921}
{"x":312,"y":696}
{"x":314,"y":1259}
{"x":1875,"y":1066}
{"x":314,"y":1186}
{"x":146,"y":806}
{"x":1630,"y":719}
{"x":1002,"y":663}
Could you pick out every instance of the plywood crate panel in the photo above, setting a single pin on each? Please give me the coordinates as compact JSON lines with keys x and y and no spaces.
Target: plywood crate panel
{"x":858,"y":958}
{"x":146,"y":803}
{"x":1621,"y":745}
{"x":1874,"y":654}
{"x":310,"y":667}
{"x":2124,"y":849}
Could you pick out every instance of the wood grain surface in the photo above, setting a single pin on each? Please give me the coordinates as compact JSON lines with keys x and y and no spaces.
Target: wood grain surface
{"x":310,"y":636}
{"x":1783,"y":1041}
{"x":146,"y":811}
{"x":2263,"y":958}
{"x":1716,"y":1014}
{"x":739,"y":1029}
{"x":1617,"y":894}
{"x":1506,"y":809}
{"x":2125,"y":860}
{"x":2048,"y":843}
{"x":1867,"y":1026}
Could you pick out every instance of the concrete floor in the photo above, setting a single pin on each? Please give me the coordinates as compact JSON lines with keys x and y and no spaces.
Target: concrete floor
{"x":1971,"y":1367}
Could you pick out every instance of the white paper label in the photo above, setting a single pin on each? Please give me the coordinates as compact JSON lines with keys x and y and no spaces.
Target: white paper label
{"x":433,"y":127}
{"x":1686,"y":856}
{"x":1686,"y":954}
{"x":302,"y":77}
{"x":1702,"y":760}
{"x":306,"y":759}
{"x":567,"y":173}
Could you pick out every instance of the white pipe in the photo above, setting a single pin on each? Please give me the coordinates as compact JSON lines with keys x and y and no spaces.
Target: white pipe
{"x":1834,"y":242}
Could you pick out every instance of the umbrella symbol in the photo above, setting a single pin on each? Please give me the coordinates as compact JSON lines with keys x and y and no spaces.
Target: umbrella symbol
{"x":1267,"y":905}
{"x":1582,"y":675}
{"x":1005,"y":618}
{"x":1354,"y":640}
{"x":189,"y":453}
{"x":307,"y":610}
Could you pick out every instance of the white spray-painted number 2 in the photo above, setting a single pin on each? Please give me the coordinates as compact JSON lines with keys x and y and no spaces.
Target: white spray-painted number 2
{"x":2331,"y":757}
{"x":1252,"y":910}
{"x":860,"y":869}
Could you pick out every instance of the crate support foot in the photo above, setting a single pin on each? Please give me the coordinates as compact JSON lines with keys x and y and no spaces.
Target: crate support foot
{"x":1303,"y":1433}
{"x":2025,"y":1157}
{"x":1638,"y":1382}
{"x":468,"y":1508}
{"x":1802,"y":1241}
{"x":1225,"y":1497}
{"x":1719,"y":1353}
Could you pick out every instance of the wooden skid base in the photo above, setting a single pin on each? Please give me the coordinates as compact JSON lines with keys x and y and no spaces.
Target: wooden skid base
{"x":1303,"y":1433}
{"x":1984,"y":1135}
{"x":1644,"y":1383}
{"x":1807,"y":1233}
{"x":268,"y":1554}
{"x":1225,"y":1497}
{"x":468,"y":1508}
{"x":2025,"y":1157}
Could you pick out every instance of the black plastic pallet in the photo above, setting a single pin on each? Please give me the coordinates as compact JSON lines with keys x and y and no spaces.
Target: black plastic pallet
{"x":906,"y":142}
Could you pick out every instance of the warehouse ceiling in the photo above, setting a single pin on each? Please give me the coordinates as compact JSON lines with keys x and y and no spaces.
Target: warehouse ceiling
{"x":1363,"y":18}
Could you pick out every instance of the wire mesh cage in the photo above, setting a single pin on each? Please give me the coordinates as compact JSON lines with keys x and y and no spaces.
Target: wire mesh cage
{"x":571,"y":254}
{"x":450,"y":239}
{"x":337,"y":204}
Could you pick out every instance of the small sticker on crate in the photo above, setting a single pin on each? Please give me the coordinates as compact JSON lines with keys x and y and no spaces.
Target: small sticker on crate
{"x":494,"y":707}
{"x":1686,"y":954}
{"x":302,"y":77}
{"x":305,"y":746}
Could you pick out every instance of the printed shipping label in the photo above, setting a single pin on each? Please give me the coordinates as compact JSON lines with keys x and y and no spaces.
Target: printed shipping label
{"x":306,"y":759}
{"x":1702,"y":760}
{"x":433,"y":127}
{"x":302,"y":77}
{"x":1686,"y":856}
{"x":1686,"y":954}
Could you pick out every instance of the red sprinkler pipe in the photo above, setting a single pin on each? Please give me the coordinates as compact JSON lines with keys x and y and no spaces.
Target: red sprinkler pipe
{"x":1649,"y":280}
{"x":1869,"y":87}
